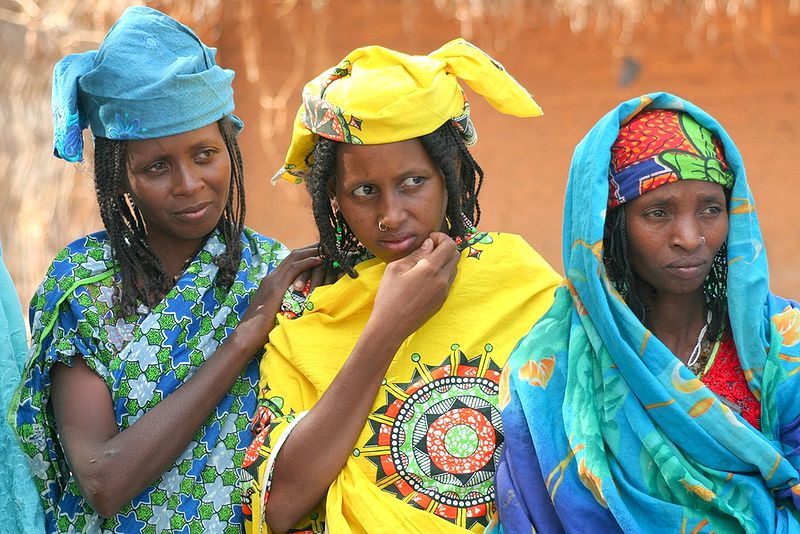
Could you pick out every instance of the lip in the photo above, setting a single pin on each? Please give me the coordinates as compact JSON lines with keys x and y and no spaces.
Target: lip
{"x":195,"y":212}
{"x":398,"y":242}
{"x":688,"y":268}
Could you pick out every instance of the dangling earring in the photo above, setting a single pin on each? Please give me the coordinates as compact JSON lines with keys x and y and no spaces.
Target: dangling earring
{"x":470,"y":227}
{"x":339,"y":233}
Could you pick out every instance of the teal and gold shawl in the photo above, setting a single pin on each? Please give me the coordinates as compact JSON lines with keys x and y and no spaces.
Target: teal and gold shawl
{"x":607,"y":430}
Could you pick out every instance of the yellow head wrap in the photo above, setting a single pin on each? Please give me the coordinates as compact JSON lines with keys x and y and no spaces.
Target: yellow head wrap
{"x":377,"y":95}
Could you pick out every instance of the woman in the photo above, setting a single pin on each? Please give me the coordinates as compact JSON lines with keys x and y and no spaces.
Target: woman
{"x":141,"y":379}
{"x":660,"y":392}
{"x":379,"y":395}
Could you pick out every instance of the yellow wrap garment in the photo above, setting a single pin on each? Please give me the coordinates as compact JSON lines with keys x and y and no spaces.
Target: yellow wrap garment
{"x":425,"y":459}
{"x":376,"y":95}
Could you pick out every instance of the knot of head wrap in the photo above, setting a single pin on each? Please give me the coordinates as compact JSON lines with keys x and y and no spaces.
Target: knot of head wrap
{"x":151,"y":77}
{"x":376,"y":95}
{"x":661,"y":146}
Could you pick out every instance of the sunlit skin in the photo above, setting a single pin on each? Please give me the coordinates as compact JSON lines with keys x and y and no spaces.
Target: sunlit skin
{"x":394,"y":183}
{"x":666,"y":250}
{"x":180,"y":183}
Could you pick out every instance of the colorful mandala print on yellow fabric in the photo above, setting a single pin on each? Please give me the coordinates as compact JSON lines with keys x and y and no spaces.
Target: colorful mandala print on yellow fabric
{"x":436,"y":441}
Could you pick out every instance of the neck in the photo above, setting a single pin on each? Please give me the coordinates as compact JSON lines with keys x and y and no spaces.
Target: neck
{"x":174,"y":256}
{"x":676,"y":320}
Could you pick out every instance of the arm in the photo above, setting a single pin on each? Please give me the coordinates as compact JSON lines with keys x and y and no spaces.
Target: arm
{"x":112,"y":467}
{"x":412,"y":290}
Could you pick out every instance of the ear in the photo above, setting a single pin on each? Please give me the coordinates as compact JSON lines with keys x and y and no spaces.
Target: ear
{"x":332,"y":194}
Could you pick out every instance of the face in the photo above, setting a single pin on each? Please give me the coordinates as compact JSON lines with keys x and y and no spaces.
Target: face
{"x":394,"y":183}
{"x":665,"y":230}
{"x":180,"y":184}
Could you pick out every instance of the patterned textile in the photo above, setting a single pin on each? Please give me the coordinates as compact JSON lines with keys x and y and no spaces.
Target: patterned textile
{"x":725,"y":377}
{"x":660,"y":146}
{"x":376,"y":95}
{"x":19,"y":507}
{"x":152,"y":77}
{"x":606,"y":429}
{"x":143,"y":358}
{"x":426,"y":458}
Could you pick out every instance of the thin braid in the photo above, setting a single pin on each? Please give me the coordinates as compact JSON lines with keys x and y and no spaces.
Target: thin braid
{"x":142,"y":277}
{"x":618,"y":265}
{"x":463,"y":177}
{"x":231,"y":223}
{"x":322,"y":172}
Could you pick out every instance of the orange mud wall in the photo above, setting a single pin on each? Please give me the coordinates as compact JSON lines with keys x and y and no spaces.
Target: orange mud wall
{"x":748,"y":79}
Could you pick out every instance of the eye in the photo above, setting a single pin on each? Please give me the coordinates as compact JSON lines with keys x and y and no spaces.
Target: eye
{"x":713,"y":210}
{"x":157,"y":167}
{"x":657,"y":213}
{"x":205,"y":154}
{"x":364,"y":190}
{"x":412,"y":181}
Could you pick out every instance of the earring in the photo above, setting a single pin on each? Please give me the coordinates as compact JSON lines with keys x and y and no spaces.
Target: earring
{"x":382,"y":227}
{"x":339,"y":233}
{"x":468,"y":224}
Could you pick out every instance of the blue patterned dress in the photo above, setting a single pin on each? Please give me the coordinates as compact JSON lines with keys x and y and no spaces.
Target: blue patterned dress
{"x":142,"y":359}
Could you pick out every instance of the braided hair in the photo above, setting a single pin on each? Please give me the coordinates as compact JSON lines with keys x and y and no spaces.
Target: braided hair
{"x":630,"y":286}
{"x":463,"y":179}
{"x":142,"y":276}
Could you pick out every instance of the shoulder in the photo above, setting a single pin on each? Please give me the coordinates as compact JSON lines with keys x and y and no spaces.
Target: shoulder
{"x":262,"y":244}
{"x":88,"y":256}
{"x":85,"y":261}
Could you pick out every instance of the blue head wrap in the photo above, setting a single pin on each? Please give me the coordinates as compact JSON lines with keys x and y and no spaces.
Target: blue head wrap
{"x":151,"y":77}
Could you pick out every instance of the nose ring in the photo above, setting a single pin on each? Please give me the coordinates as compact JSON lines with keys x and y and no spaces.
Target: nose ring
{"x":702,"y":240}
{"x":382,"y":227}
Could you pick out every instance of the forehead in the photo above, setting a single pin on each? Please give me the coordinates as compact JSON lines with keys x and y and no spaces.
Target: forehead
{"x":207,"y":134}
{"x":384,"y":160}
{"x":682,"y":191}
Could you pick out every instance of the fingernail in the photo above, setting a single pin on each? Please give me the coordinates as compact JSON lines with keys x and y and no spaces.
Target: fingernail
{"x":427,"y":244}
{"x":299,"y":284}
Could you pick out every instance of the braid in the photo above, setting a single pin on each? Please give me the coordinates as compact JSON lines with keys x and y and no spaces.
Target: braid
{"x":618,"y":265}
{"x":345,"y":252}
{"x":142,"y":277}
{"x":231,"y":223}
{"x":463,"y":177}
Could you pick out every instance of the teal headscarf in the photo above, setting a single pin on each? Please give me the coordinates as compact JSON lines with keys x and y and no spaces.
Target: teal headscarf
{"x":606,"y":429}
{"x":151,"y":77}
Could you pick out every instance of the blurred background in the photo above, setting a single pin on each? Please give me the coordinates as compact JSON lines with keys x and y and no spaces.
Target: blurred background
{"x":738,"y":59}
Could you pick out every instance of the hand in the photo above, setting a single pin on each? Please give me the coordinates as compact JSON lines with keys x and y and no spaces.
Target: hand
{"x":321,"y":275}
{"x":415,"y":287}
{"x":258,"y":321}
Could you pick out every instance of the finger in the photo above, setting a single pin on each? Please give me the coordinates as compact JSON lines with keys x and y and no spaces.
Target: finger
{"x":317,"y":275}
{"x":444,"y":253}
{"x":301,"y":253}
{"x":423,"y":251}
{"x":439,"y":238}
{"x":298,"y":266}
{"x":301,"y":280}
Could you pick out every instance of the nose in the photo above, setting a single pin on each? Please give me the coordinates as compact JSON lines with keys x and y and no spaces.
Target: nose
{"x":687,"y":234}
{"x":186,"y":180}
{"x":392,"y":211}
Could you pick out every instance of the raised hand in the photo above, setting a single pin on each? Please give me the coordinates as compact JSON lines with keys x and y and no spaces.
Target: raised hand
{"x":415,"y":287}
